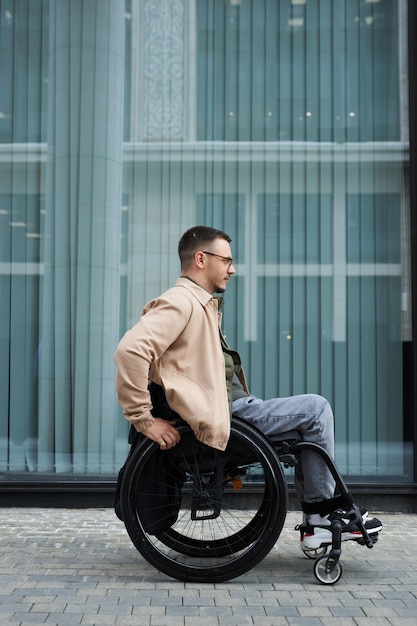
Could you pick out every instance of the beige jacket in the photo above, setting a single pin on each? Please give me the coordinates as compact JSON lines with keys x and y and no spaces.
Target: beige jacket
{"x":176,"y":344}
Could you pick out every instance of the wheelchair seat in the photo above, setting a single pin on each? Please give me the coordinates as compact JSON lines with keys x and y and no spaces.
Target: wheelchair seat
{"x":290,"y":436}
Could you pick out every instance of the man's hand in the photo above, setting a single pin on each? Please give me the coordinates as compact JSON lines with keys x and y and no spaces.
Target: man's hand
{"x":164,"y":433}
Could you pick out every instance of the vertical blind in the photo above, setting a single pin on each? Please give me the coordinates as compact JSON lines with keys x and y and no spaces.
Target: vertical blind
{"x":282,"y":122}
{"x":23,"y":106}
{"x":61,"y":307}
{"x":309,"y":94}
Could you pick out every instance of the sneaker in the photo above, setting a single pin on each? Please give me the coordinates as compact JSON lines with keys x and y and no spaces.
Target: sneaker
{"x":318,"y":520}
{"x":362,"y":510}
{"x":315,"y":535}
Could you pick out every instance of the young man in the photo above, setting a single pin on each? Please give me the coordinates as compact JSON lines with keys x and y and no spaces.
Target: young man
{"x":178,"y":344}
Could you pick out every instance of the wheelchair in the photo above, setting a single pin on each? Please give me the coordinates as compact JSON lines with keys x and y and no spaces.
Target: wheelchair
{"x":202,"y":515}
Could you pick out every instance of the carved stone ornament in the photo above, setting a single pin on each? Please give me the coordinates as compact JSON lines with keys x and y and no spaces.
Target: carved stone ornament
{"x":163,"y":70}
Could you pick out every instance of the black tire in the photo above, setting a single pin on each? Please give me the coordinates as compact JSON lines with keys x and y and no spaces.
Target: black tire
{"x":221,"y":513}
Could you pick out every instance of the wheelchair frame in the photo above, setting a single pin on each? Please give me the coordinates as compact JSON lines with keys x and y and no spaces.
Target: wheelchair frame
{"x":184,"y":511}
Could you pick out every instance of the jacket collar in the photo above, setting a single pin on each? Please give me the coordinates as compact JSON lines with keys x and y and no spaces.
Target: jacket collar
{"x":198,"y":292}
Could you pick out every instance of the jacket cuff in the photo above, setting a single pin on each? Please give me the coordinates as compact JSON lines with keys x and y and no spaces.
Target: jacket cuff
{"x":143,"y":423}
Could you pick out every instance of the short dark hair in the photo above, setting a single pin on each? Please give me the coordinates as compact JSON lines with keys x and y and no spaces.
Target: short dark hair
{"x":198,"y":238}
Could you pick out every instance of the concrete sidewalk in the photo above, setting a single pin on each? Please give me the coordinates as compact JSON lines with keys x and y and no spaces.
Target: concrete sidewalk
{"x":78,"y":566}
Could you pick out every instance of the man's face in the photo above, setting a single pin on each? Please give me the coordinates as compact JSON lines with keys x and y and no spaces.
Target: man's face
{"x":218,"y":266}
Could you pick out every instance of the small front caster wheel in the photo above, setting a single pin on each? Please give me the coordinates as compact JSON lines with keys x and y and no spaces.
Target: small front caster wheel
{"x":313,"y":553}
{"x":327,"y":570}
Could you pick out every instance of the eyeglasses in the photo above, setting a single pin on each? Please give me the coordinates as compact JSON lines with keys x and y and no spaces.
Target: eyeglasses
{"x":227,"y":260}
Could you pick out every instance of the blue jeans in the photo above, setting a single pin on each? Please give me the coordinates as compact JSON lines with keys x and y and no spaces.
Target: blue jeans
{"x":310,"y":415}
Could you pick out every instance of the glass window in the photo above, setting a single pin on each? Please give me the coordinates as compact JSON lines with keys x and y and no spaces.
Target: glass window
{"x":283,"y":123}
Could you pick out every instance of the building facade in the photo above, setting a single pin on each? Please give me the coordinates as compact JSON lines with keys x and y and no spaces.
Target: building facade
{"x":287,"y":123}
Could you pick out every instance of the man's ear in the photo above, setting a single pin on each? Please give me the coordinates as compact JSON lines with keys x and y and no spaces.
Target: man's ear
{"x":199,"y":259}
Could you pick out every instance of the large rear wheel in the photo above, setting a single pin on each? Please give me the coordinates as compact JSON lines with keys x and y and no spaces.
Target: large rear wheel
{"x":201,"y":515}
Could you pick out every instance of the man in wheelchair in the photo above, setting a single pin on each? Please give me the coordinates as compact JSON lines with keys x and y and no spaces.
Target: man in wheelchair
{"x":178,"y":344}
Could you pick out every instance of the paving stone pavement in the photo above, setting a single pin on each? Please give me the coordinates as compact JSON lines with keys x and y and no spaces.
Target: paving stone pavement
{"x":78,"y":566}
